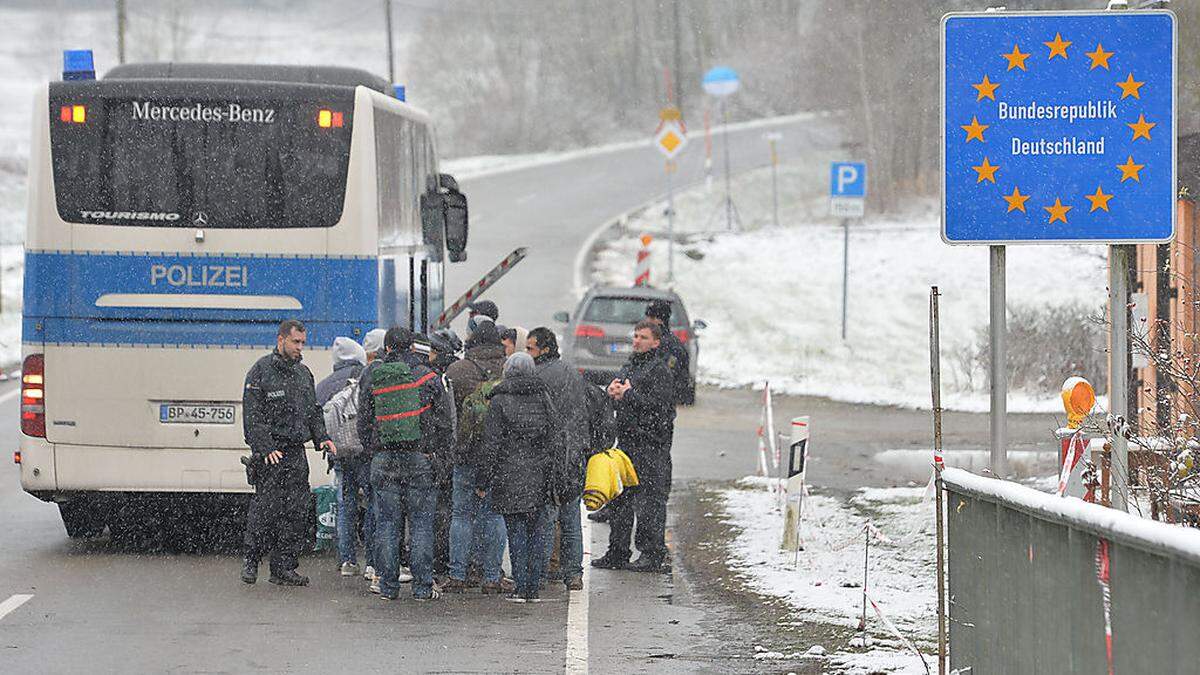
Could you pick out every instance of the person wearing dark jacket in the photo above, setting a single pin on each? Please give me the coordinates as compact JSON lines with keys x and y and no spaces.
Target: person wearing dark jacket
{"x":280,"y":415}
{"x":645,"y":405}
{"x":402,"y":473}
{"x":444,"y":346}
{"x":516,"y":468}
{"x":353,"y":471}
{"x":568,"y":393}
{"x":477,"y":532}
{"x":673,"y":351}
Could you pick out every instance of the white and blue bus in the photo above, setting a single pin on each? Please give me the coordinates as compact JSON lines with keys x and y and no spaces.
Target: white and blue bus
{"x":177,"y":213}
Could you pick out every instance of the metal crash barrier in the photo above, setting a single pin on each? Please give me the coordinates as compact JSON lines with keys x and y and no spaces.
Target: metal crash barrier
{"x":1044,"y":584}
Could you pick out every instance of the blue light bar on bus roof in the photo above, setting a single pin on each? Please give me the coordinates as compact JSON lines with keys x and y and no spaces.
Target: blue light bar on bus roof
{"x":78,"y":65}
{"x":399,"y":91}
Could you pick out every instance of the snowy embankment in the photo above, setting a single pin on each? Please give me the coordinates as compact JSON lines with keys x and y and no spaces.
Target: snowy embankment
{"x":823,"y":583}
{"x":772,"y":296}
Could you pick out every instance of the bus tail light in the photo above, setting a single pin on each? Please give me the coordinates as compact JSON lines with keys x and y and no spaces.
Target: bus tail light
{"x":588,"y":330}
{"x":73,"y":114}
{"x":329,"y":118}
{"x":682,"y":334}
{"x":33,"y":396}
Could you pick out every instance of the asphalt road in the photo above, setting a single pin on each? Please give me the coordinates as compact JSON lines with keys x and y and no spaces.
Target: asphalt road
{"x":99,"y":607}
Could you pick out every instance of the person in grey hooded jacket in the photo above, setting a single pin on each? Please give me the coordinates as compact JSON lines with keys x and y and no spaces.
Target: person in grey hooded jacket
{"x":568,"y":394}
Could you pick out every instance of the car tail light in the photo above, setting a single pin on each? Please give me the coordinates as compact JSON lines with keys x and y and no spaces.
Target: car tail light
{"x":588,"y":330}
{"x":682,"y":334}
{"x":17,"y":457}
{"x":33,"y":396}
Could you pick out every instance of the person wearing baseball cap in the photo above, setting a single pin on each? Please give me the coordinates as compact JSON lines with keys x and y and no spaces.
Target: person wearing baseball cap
{"x":373,"y":343}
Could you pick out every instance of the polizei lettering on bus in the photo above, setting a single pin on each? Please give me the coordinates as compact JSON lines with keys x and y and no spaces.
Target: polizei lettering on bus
{"x":229,"y":112}
{"x":129,"y":215}
{"x":202,"y":276}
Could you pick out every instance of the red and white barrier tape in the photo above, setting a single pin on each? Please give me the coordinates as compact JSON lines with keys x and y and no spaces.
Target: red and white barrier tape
{"x":1102,"y":576}
{"x":1074,"y":454}
{"x":895,"y":631}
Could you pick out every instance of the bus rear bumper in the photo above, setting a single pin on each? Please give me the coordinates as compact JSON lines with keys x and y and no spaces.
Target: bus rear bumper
{"x":58,"y":470}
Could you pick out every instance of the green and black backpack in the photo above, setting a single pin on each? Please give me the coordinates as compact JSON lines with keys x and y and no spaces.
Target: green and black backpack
{"x":398,"y":406}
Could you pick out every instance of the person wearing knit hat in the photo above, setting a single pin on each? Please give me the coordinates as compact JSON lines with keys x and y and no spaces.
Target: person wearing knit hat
{"x":373,"y":343}
{"x":353,"y":469}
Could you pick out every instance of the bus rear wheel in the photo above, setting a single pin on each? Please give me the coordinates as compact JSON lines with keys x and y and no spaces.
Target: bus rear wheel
{"x":81,"y":517}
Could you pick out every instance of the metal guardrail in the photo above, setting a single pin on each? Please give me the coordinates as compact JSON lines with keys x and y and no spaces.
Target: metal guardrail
{"x":1024,"y":588}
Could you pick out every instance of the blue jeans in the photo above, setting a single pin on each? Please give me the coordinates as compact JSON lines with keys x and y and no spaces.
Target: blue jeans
{"x":527,"y":536}
{"x":403,"y":486}
{"x":354,"y":475}
{"x":476,"y":531}
{"x":570,"y":556}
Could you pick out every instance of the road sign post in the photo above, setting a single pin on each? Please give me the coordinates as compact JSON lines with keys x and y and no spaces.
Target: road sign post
{"x":670,"y":139}
{"x":722,"y":83}
{"x":847,"y":194}
{"x":1057,"y":128}
{"x":772,"y":137}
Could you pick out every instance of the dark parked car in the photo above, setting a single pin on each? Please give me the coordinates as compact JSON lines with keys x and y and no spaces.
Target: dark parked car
{"x":599,"y":334}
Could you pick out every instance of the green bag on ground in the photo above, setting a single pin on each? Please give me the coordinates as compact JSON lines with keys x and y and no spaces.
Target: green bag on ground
{"x":397,"y":402}
{"x":326,"y":517}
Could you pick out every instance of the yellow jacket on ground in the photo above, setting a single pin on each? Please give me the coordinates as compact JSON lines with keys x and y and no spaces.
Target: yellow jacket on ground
{"x":609,"y":473}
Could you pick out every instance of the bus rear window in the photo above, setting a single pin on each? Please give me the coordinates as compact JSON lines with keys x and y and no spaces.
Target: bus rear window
{"x":232,"y":162}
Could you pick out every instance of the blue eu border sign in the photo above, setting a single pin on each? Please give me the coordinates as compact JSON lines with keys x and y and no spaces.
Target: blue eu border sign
{"x":1058,"y":127}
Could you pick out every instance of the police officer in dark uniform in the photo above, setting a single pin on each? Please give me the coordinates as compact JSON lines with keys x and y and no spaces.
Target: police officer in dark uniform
{"x":673,"y":352}
{"x":280,"y":414}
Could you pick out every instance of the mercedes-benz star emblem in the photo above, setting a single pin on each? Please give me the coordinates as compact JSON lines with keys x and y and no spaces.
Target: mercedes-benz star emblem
{"x":201,"y":218}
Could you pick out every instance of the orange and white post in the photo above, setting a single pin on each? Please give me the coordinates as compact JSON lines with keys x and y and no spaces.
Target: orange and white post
{"x":641,"y":274}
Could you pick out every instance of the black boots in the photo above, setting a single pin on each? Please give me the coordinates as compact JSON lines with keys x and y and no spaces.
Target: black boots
{"x":249,"y":570}
{"x":288,"y":578}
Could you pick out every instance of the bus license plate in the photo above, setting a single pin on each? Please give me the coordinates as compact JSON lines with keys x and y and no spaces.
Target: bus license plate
{"x":619,"y":348}
{"x":190,"y":413}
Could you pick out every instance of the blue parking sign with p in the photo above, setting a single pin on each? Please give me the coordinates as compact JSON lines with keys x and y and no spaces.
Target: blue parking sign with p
{"x":848,"y":179}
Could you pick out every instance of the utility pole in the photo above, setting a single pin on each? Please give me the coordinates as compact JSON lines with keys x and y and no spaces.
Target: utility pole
{"x":121,"y":31}
{"x":391,"y":50}
{"x":678,"y":58}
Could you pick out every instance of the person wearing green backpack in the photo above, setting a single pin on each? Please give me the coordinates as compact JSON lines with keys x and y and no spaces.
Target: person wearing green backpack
{"x":477,"y":532}
{"x":404,"y":422}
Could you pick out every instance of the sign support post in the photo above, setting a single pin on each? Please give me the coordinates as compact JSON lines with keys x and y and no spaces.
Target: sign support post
{"x":998,"y":337}
{"x":847,"y":198}
{"x":670,"y":227}
{"x":845,"y":272}
{"x":1119,"y":258}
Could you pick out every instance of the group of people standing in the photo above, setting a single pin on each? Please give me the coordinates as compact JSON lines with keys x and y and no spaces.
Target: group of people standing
{"x":450,"y":457}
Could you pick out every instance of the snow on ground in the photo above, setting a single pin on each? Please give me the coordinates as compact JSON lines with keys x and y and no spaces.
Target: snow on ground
{"x":824,"y":583}
{"x":772,"y":296}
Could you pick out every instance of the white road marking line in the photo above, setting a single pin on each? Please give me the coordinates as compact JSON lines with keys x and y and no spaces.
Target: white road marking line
{"x":9,"y":394}
{"x":16,"y":601}
{"x":577,"y":610}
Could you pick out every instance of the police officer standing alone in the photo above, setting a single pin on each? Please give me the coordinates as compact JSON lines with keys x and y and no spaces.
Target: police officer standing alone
{"x":280,"y":414}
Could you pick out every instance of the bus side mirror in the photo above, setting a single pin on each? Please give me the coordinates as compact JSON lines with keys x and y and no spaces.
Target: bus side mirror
{"x":455,"y":218}
{"x":444,"y":216}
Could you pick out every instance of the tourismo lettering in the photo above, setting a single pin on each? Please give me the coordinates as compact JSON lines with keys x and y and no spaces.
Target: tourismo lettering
{"x":204,"y":276}
{"x":230,"y":112}
{"x":128,"y":215}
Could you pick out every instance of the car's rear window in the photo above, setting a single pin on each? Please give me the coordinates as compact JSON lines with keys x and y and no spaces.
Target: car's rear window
{"x":628,"y":310}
